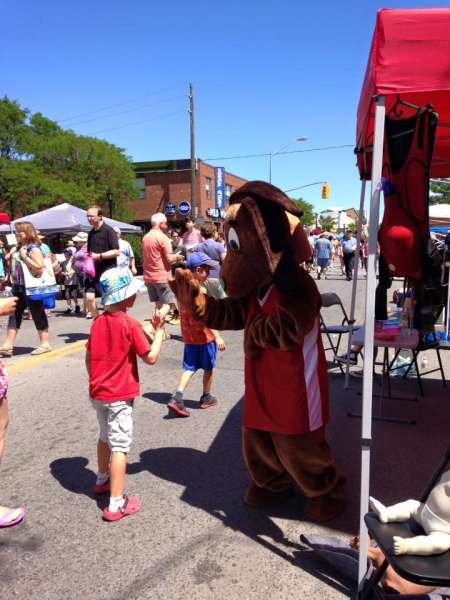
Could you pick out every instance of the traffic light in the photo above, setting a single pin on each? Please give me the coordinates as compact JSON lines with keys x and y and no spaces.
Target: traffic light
{"x":325,"y":191}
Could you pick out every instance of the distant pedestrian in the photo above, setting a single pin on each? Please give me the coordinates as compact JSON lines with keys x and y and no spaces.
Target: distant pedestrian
{"x":8,"y":516}
{"x":71,"y":283}
{"x":103,"y":245}
{"x":348,"y":244}
{"x":192,"y":235}
{"x":115,"y":341}
{"x":216,"y":252}
{"x":200,"y":344}
{"x":80,"y":243}
{"x":28,"y":253}
{"x":126,"y":257}
{"x":323,"y":248}
{"x":158,"y":259}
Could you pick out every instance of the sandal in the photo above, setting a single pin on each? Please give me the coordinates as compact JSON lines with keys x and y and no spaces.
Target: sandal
{"x":132,"y":505}
{"x":102,"y":488}
{"x":11,"y":516}
{"x":5,"y":351}
{"x":41,"y":350}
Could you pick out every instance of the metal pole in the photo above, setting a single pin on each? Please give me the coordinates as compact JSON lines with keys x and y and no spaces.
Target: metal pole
{"x":355,"y":279}
{"x":270,"y":168}
{"x":366,"y":441}
{"x":194,"y":205}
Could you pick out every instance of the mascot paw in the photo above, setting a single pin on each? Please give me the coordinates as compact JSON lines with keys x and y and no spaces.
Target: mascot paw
{"x":257,"y":497}
{"x":187,"y":291}
{"x":379,"y":509}
{"x":400,"y":545}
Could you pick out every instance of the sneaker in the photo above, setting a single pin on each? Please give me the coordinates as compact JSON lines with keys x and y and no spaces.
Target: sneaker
{"x":351,"y":358}
{"x":318,"y":274}
{"x":206,"y":401}
{"x":68,"y":311}
{"x":77,"y":310}
{"x":42,"y":349}
{"x":4,"y":351}
{"x":88,"y":315}
{"x":102,"y":488}
{"x":177,"y":409}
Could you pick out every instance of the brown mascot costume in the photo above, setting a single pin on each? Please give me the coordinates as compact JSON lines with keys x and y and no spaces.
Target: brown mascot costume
{"x":277,"y":304}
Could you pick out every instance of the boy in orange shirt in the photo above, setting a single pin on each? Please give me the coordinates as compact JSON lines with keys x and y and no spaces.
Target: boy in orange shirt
{"x":200,"y":344}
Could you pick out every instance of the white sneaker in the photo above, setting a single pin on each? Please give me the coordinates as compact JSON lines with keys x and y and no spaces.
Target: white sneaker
{"x":88,"y":315}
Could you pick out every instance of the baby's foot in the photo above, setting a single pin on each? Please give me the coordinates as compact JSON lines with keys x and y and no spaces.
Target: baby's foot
{"x":379,"y":509}
{"x":400,"y":545}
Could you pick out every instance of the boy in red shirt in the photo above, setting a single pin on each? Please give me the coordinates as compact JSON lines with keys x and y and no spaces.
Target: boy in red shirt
{"x":115,"y":341}
{"x":200,"y":344}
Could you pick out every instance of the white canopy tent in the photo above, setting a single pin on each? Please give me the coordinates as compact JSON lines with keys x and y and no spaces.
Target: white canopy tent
{"x":68,"y":219}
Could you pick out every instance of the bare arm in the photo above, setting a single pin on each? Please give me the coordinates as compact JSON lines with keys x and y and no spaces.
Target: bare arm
{"x":152,"y":357}
{"x":35,"y":261}
{"x":104,"y":255}
{"x":87,"y":361}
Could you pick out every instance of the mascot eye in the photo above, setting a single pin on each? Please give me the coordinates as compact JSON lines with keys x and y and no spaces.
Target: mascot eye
{"x":233,"y":240}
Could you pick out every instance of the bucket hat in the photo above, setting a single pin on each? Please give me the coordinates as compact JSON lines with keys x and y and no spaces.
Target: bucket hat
{"x":117,"y":285}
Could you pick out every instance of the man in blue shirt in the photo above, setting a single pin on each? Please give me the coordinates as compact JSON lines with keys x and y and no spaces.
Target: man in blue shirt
{"x":348,"y":245}
{"x":323,"y":248}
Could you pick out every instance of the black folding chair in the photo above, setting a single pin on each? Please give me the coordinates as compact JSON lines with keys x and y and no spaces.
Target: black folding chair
{"x":423,"y":570}
{"x":330,"y":299}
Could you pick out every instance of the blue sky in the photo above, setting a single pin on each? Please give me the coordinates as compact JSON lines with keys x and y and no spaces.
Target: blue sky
{"x":265,"y":73}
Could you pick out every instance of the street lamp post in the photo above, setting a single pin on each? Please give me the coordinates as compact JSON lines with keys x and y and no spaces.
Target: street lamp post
{"x":272,"y":154}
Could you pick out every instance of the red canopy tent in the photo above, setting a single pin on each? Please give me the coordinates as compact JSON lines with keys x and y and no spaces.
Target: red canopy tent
{"x":409,"y":60}
{"x":410,"y":57}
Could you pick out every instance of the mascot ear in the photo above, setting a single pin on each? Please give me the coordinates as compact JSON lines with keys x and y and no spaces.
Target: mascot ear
{"x":265,"y":193}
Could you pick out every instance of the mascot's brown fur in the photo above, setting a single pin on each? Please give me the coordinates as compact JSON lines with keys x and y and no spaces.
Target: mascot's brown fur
{"x":277,"y":304}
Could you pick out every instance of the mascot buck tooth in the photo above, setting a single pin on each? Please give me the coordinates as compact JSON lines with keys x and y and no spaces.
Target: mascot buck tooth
{"x":286,"y":384}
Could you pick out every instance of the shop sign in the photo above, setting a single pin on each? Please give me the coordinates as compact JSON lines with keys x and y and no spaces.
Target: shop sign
{"x":220,"y":187}
{"x":170,"y":209}
{"x":184,"y":208}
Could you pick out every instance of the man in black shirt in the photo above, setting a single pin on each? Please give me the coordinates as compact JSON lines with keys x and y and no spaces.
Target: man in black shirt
{"x":104,"y":248}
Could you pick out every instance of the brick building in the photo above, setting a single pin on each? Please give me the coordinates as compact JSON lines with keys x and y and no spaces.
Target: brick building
{"x":164,"y":185}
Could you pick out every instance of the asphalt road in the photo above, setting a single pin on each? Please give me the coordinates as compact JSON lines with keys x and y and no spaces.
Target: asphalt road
{"x":193,"y":537}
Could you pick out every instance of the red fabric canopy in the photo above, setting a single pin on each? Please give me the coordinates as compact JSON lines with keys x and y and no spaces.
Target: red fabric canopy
{"x":410,"y":56}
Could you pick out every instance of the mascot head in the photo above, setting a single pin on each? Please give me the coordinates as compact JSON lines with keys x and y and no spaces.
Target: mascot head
{"x":265,"y":240}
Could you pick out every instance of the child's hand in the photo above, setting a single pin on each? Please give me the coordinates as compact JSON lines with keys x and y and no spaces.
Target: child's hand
{"x":220,"y":344}
{"x":158,"y":321}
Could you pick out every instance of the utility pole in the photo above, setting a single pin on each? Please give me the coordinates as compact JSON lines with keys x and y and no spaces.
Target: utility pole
{"x":194,"y":206}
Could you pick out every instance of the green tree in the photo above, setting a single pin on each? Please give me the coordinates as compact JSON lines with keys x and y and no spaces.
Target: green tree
{"x":441,"y":188}
{"x":309,"y":217}
{"x":327,"y":223}
{"x":42,"y":164}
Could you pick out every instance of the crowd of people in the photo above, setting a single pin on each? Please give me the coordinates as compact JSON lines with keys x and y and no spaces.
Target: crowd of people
{"x":331,"y":252}
{"x":101,"y":264}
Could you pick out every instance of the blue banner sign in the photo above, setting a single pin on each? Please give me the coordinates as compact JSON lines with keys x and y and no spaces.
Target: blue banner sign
{"x":184,"y":208}
{"x":170,"y":209}
{"x":220,"y":187}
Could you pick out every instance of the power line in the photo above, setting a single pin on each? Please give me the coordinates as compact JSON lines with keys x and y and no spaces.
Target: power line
{"x":279,"y":153}
{"x":178,"y":112}
{"x":122,"y":112}
{"x":93,"y":112}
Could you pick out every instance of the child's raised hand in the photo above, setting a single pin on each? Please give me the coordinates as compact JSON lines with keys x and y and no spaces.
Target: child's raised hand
{"x":158,"y":321}
{"x":220,"y":344}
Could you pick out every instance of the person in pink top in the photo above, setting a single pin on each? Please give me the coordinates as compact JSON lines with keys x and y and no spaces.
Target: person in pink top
{"x":192,"y":235}
{"x":158,"y":259}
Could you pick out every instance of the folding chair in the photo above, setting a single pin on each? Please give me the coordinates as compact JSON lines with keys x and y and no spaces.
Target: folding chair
{"x":330,"y":299}
{"x":423,"y":570}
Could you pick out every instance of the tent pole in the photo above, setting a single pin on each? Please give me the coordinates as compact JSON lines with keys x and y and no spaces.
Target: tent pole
{"x":366,"y":433}
{"x":355,"y":279}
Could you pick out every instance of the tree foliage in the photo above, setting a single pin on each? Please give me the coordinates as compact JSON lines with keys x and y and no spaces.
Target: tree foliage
{"x":309,"y":217}
{"x":327,"y":223}
{"x":440,"y":192}
{"x":42,"y":164}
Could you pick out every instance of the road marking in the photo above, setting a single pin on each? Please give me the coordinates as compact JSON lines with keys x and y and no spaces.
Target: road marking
{"x":42,"y":359}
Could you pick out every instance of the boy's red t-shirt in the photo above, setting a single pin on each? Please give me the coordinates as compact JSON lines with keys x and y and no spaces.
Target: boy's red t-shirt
{"x":115,"y":341}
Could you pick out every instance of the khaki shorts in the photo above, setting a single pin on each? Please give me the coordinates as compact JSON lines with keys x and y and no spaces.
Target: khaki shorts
{"x":115,"y":420}
{"x":161,"y":292}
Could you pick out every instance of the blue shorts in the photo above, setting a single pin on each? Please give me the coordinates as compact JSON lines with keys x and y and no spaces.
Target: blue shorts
{"x":200,"y":356}
{"x":323,"y":262}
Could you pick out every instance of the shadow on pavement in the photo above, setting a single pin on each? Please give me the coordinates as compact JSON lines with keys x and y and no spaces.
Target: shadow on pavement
{"x":73,"y":475}
{"x":73,"y":337}
{"x":215,"y":481}
{"x":20,"y":350}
